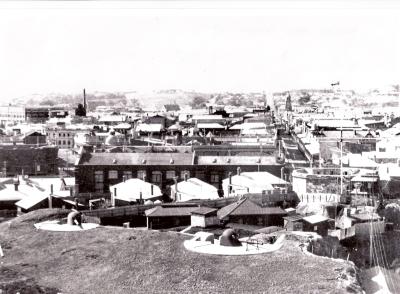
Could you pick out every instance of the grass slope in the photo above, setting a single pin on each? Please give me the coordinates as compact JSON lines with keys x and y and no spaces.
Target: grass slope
{"x":117,"y":260}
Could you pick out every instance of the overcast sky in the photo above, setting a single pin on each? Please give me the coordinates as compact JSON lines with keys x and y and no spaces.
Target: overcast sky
{"x":121,"y":46}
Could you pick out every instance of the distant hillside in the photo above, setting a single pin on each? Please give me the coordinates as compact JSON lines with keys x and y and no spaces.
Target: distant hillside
{"x":119,"y":99}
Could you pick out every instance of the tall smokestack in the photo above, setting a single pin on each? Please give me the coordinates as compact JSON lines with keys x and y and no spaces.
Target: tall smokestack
{"x":84,"y":99}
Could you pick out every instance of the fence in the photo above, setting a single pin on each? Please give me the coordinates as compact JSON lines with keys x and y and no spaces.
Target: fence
{"x":140,"y":209}
{"x":319,"y":197}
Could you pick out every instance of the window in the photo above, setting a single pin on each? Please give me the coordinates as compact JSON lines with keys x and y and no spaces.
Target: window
{"x":156,"y":177}
{"x":69,"y":142}
{"x":38,"y":168}
{"x":113,"y":174}
{"x":59,"y":142}
{"x":98,"y":181}
{"x":141,"y":174}
{"x":127,"y":174}
{"x":63,"y":142}
{"x":382,"y":149}
{"x":214,"y":178}
{"x":64,"y":135}
{"x":200,"y":175}
{"x":170,"y":174}
{"x":183,"y":174}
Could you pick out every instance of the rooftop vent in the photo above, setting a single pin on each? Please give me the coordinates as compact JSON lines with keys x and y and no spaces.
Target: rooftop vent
{"x":144,"y":161}
{"x":171,"y":161}
{"x":258,"y":160}
{"x":214,"y":160}
{"x":114,"y":160}
{"x":228,"y":160}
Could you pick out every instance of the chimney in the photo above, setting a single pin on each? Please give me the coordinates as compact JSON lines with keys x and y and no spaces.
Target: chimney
{"x":141,"y":196}
{"x":152,"y":190}
{"x":238,"y":171}
{"x":50,"y":199}
{"x":263,"y":198}
{"x":185,"y":177}
{"x":144,"y":178}
{"x":230,"y":178}
{"x":16,"y":183}
{"x":84,"y":99}
{"x":124,"y":178}
{"x":51,"y":189}
{"x":113,"y":197}
{"x":176,"y":186}
{"x":282,"y":173}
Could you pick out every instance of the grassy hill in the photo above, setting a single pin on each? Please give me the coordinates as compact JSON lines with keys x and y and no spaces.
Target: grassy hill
{"x":117,"y":260}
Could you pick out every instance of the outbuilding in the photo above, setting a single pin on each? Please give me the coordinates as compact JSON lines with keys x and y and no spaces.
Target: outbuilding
{"x":204,"y":217}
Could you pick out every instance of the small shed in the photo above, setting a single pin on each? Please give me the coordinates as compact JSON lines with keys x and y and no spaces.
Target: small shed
{"x":161,"y":217}
{"x":204,"y":217}
{"x":293,"y":222}
{"x":316,"y":223}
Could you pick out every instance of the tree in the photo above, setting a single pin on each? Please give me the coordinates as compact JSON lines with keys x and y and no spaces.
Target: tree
{"x":305,"y":98}
{"x":47,"y":102}
{"x":198,"y":102}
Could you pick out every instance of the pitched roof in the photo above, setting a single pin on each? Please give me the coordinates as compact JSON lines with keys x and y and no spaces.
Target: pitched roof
{"x":172,"y":107}
{"x":315,"y":219}
{"x":136,"y":159}
{"x":194,"y":188}
{"x":204,"y":210}
{"x":30,"y":201}
{"x":130,"y":190}
{"x":235,"y":160}
{"x":260,"y":179}
{"x":210,"y":126}
{"x":149,"y":128}
{"x":247,"y":207}
{"x":293,"y":218}
{"x":160,"y":211}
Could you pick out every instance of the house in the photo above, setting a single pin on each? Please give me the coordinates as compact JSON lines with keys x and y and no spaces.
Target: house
{"x":163,"y":217}
{"x":112,"y":119}
{"x":27,"y":159}
{"x":247,"y":212}
{"x":253,"y":182}
{"x":193,"y":188}
{"x":133,"y":191}
{"x":27,"y":194}
{"x":155,"y":120}
{"x":360,"y":220}
{"x":34,"y":137}
{"x":293,"y":222}
{"x":204,"y":217}
{"x":96,"y":171}
{"x":316,"y":223}
{"x":171,"y":108}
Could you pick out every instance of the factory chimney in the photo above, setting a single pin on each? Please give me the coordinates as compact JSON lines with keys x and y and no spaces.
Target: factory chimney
{"x":84,"y":99}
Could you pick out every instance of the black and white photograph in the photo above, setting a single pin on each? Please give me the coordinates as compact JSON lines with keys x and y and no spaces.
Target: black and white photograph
{"x":199,"y":147}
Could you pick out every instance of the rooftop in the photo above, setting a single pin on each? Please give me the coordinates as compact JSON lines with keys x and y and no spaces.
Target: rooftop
{"x":246,"y":207}
{"x":160,"y":211}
